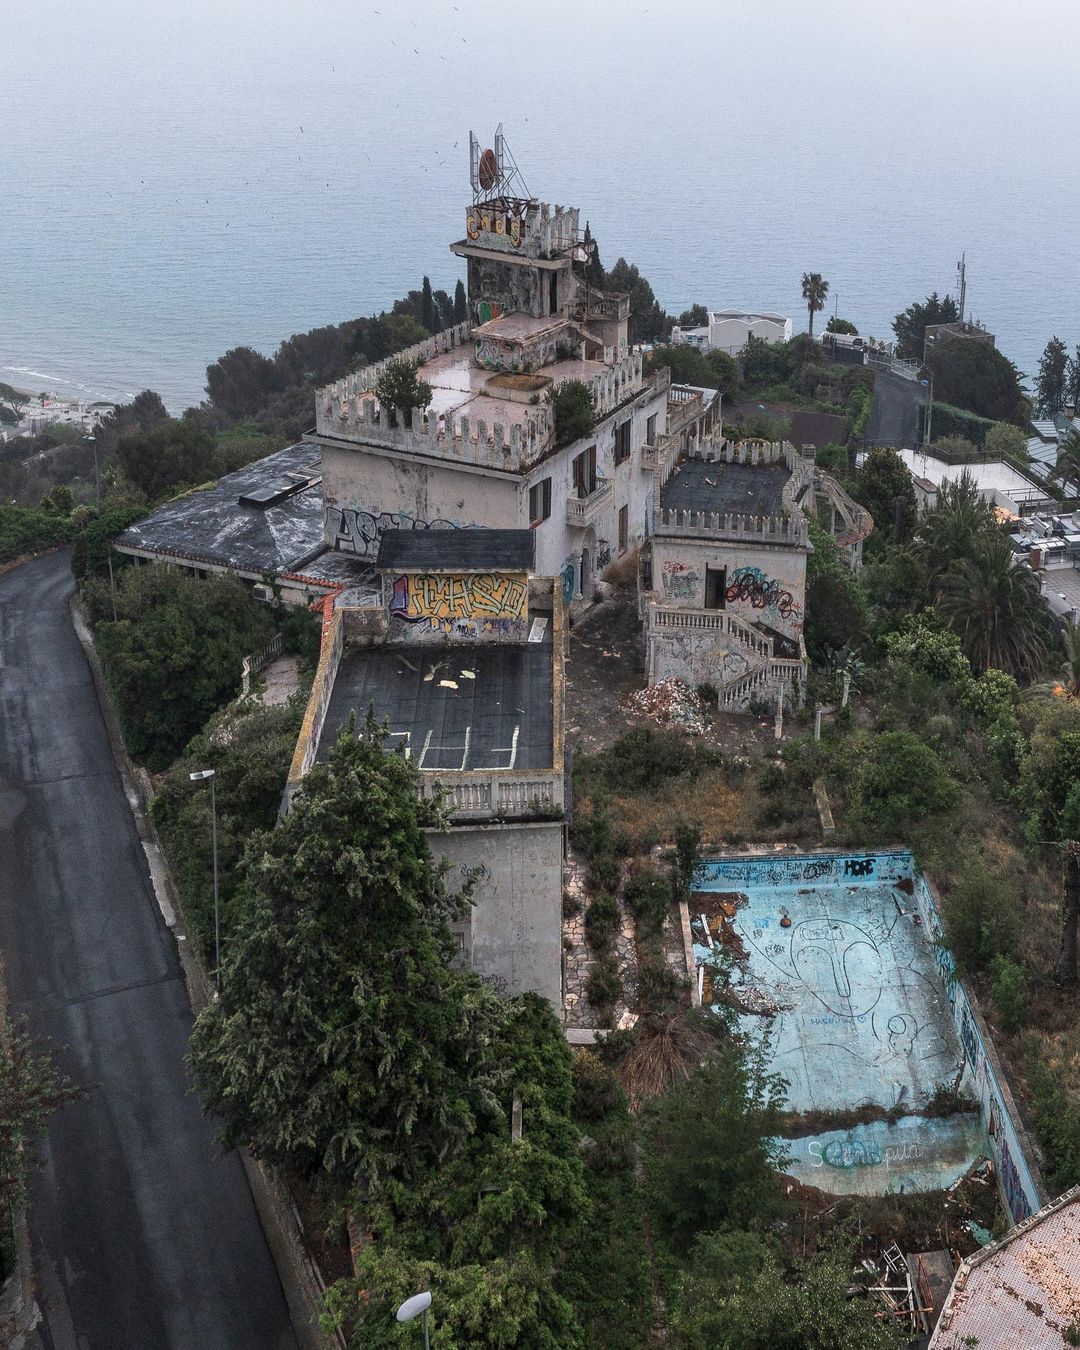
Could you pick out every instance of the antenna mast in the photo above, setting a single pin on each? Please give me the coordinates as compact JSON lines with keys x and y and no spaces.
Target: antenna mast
{"x":961,"y":268}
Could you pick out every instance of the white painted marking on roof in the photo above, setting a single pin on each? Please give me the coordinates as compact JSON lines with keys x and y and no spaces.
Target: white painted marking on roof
{"x":423,"y":753}
{"x":510,"y":750}
{"x":538,"y":629}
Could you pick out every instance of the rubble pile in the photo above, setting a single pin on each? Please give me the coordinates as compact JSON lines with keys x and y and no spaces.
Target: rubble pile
{"x":672,"y":703}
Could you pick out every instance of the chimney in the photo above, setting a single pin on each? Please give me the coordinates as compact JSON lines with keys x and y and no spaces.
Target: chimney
{"x":1035,"y":559}
{"x":1070,"y":411}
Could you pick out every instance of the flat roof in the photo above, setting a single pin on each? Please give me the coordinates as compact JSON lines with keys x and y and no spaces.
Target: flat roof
{"x":995,"y":476}
{"x":746,"y":489}
{"x":1022,"y":1291}
{"x":453,"y":706}
{"x":214,"y":526}
{"x":468,"y":550}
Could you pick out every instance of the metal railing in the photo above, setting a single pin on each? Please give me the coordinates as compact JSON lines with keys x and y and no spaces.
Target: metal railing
{"x":251,"y":665}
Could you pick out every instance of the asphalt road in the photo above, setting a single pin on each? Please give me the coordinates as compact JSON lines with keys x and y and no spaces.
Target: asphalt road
{"x":144,"y":1236}
{"x":894,"y":417}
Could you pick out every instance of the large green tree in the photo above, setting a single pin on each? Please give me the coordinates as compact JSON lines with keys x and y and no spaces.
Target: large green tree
{"x":910,"y":325}
{"x":488,"y":1230}
{"x":240,"y":382}
{"x":170,"y":455}
{"x":712,"y":1147}
{"x":815,"y":290}
{"x":956,"y":527}
{"x":648,"y":321}
{"x":172,"y":656}
{"x":995,"y":607}
{"x":346,"y":1047}
{"x":883,"y":485}
{"x":975,"y":376}
{"x":31,"y":1089}
{"x":1050,"y":382}
{"x":1067,"y":466}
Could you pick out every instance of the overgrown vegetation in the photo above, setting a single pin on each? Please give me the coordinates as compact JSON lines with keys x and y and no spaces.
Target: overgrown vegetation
{"x":172,"y":655}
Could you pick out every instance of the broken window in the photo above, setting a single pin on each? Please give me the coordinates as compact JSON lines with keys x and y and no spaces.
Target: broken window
{"x":622,"y":441}
{"x":540,"y":501}
{"x":650,"y":430}
{"x":624,"y":528}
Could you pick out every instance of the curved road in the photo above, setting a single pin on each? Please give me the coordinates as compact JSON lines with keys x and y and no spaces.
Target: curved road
{"x":144,"y":1236}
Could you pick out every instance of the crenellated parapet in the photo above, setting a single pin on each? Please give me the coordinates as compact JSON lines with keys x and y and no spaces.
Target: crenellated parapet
{"x":500,"y":445}
{"x":360,"y":381}
{"x":776,"y":529}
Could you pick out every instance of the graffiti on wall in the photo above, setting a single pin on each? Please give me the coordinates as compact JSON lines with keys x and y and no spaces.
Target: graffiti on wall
{"x":437,"y":597}
{"x":353,"y":530}
{"x":751,"y":585}
{"x":495,"y":355}
{"x":569,"y":581}
{"x":679,"y":580}
{"x":603,"y":554}
{"x":1016,"y":1183}
{"x":881,"y":868}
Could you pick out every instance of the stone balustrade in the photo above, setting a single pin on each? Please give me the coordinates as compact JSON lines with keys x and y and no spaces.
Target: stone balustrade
{"x":583,"y":511}
{"x":500,"y":794}
{"x":779,"y":529}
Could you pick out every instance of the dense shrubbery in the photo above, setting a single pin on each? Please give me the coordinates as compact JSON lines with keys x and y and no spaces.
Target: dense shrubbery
{"x":250,"y":748}
{"x":172,"y":657}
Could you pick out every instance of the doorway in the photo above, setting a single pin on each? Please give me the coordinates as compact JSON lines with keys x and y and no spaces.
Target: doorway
{"x":715,"y":587}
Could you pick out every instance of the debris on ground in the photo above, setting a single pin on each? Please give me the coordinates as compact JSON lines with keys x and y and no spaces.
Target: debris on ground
{"x":672,"y":703}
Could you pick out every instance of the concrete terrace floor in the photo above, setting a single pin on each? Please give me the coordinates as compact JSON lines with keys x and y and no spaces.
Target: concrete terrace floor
{"x":452,"y":707}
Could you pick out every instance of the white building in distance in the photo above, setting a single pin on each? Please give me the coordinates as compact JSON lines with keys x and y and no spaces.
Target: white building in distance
{"x":729,"y":330}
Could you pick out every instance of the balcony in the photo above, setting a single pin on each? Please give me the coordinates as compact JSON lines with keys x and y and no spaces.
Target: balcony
{"x":602,"y":305}
{"x":583,"y":511}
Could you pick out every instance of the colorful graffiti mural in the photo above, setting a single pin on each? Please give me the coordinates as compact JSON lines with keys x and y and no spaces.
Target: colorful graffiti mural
{"x":435,"y":597}
{"x":750,"y":584}
{"x":569,"y":581}
{"x":351,"y":529}
{"x":679,"y":581}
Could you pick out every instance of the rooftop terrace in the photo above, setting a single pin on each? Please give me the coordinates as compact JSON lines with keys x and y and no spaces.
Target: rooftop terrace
{"x":475,"y":414}
{"x":452,"y":707}
{"x":754,"y":490}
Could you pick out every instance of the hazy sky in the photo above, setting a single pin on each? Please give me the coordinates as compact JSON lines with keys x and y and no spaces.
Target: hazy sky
{"x":296,"y":163}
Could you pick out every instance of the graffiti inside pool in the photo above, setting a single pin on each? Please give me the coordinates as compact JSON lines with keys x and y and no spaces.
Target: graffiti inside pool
{"x":845,"y":985}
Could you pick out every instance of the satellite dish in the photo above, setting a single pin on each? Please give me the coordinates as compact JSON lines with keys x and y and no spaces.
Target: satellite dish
{"x":489,"y":170}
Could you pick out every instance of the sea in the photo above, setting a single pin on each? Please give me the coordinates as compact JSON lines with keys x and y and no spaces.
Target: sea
{"x":179,"y":177}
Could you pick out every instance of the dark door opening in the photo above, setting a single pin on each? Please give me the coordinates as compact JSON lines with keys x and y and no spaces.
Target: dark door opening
{"x":715,"y":586}
{"x":584,"y":466}
{"x":553,"y":292}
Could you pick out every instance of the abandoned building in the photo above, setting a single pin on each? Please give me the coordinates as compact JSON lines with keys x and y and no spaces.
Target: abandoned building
{"x":460,"y":651}
{"x":722,"y":578}
{"x":486,"y":450}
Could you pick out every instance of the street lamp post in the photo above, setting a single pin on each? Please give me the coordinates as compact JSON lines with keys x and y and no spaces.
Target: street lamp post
{"x":207,"y":776}
{"x":413,"y":1307}
{"x":929,"y":386}
{"x":91,"y":440}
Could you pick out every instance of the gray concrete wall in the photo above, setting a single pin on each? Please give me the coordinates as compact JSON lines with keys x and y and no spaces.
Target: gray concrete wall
{"x":367,"y":492}
{"x":766,"y":584}
{"x":514,"y":933}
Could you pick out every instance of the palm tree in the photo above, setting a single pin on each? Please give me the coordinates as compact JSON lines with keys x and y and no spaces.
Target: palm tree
{"x":956,"y":527}
{"x":814,"y":290}
{"x":995,"y":608}
{"x":1067,"y":468}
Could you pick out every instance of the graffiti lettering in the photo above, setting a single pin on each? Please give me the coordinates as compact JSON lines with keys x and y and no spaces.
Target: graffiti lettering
{"x":858,"y":867}
{"x":356,"y":531}
{"x":823,"y":867}
{"x":751,"y":584}
{"x":434,"y":597}
{"x":847,"y":1153}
